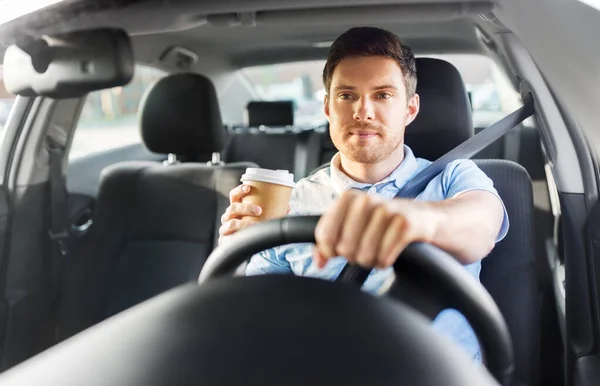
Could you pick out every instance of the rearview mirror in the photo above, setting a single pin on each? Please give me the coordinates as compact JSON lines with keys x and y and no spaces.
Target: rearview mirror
{"x":69,"y":65}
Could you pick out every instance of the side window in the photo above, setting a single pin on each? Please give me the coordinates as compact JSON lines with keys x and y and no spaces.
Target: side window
{"x":6,"y":101}
{"x":492,"y":95}
{"x":109,"y":117}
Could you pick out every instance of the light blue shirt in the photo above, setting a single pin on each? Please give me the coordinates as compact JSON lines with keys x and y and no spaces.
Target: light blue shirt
{"x":314,"y":194}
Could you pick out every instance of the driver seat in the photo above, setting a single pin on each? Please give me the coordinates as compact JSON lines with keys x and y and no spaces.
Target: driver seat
{"x":509,"y":271}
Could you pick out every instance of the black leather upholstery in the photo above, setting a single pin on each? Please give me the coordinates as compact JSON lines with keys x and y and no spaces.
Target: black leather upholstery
{"x":444,"y":120}
{"x":270,"y":113}
{"x":180,"y":115}
{"x":154,"y":224}
{"x":509,"y":271}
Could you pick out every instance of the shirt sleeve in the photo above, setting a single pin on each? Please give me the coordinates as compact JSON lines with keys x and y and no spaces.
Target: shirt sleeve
{"x":268,"y":261}
{"x":463,"y":176}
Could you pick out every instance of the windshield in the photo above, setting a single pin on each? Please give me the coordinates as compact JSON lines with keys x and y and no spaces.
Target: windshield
{"x":491,"y":94}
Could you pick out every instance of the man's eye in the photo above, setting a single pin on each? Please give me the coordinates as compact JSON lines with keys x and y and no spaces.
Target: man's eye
{"x":384,"y":95}
{"x":345,"y":96}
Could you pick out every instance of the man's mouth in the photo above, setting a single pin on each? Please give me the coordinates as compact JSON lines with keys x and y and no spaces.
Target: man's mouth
{"x":365,"y":134}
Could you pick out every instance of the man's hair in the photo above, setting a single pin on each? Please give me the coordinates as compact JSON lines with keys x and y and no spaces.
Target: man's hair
{"x":371,"y":41}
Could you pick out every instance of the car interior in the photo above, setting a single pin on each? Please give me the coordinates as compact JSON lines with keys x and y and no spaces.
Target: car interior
{"x":110,"y":269}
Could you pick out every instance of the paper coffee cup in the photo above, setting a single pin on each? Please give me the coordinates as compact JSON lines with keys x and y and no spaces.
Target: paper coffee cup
{"x":270,"y":189}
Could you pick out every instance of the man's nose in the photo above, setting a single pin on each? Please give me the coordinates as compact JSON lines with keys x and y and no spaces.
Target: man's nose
{"x":363,"y":110}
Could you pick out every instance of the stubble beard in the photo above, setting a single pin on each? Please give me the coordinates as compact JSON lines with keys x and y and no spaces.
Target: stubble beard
{"x":373,"y":153}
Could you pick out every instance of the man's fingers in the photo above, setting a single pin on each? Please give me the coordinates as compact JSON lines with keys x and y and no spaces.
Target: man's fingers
{"x":223,"y":239}
{"x":368,"y":249}
{"x":235,"y":225}
{"x":318,"y":258}
{"x":328,"y":228}
{"x":238,"y":209}
{"x":396,"y":238}
{"x":229,"y":227}
{"x":357,"y":218}
{"x":236,"y":194}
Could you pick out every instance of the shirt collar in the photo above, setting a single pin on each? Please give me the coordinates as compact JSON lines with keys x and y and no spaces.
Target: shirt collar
{"x":400,"y":176}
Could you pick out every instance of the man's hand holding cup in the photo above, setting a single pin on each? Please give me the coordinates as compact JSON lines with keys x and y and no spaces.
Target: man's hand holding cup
{"x":264,"y":195}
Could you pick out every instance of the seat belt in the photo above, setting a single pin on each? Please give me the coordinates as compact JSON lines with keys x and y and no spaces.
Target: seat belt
{"x":59,"y":229}
{"x":58,"y":200}
{"x":465,"y":150}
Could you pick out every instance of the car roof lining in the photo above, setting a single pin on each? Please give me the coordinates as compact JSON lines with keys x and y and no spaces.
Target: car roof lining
{"x":544,"y":28}
{"x":245,"y":33}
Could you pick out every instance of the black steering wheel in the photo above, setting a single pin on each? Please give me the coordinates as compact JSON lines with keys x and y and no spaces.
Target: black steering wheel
{"x":430,"y":275}
{"x":285,"y":329}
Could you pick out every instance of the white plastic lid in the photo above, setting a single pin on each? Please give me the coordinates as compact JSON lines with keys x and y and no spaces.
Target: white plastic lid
{"x":279,"y":177}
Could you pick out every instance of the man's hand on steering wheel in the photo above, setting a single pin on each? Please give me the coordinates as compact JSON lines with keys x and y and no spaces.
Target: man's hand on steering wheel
{"x":372,"y":231}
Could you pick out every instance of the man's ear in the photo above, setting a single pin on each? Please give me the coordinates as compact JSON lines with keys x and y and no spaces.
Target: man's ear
{"x":326,"y":106}
{"x":414,"y":104}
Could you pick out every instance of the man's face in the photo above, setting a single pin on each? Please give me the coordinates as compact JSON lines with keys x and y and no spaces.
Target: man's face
{"x":367,"y":108}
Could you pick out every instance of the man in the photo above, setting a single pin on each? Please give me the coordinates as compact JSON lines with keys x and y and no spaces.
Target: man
{"x":370,"y":82}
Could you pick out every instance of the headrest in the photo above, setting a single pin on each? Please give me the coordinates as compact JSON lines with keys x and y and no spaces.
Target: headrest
{"x":444,"y":120}
{"x":180,"y":115}
{"x":271,"y":113}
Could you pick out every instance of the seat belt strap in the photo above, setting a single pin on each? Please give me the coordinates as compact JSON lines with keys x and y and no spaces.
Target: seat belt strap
{"x":465,"y":150}
{"x":59,"y":232}
{"x":58,"y":200}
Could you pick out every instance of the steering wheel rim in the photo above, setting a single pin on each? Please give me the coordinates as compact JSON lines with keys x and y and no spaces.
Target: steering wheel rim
{"x":454,"y":287}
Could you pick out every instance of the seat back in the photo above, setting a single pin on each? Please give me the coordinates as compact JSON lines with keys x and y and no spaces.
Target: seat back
{"x":444,"y":120}
{"x":270,"y":113}
{"x":153,"y":229}
{"x":276,"y":145}
{"x":154,"y":224}
{"x":509,"y":271}
{"x":269,"y":150}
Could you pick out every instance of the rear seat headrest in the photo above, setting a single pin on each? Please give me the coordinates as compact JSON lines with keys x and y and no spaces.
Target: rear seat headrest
{"x":270,"y":113}
{"x":180,"y":115}
{"x":444,"y":120}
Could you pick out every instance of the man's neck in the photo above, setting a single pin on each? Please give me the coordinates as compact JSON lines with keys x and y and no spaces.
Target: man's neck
{"x":372,"y":173}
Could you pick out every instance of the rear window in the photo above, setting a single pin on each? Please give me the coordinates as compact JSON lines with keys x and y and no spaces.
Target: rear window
{"x":299,"y":82}
{"x":108,"y":119}
{"x":491,"y":94}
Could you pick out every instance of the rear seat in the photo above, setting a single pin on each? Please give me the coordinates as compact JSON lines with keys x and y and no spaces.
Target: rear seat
{"x":270,"y":139}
